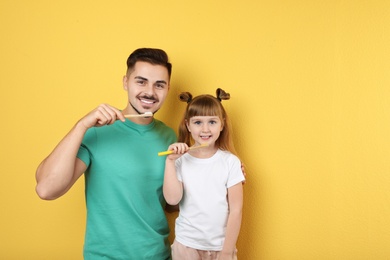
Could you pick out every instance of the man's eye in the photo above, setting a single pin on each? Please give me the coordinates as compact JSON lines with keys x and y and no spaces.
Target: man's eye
{"x":141,"y":82}
{"x":160,"y":86}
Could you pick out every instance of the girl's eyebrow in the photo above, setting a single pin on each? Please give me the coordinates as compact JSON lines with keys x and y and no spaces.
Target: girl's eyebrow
{"x":197,"y":118}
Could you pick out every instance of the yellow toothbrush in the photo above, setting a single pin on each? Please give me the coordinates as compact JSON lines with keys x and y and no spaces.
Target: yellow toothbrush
{"x":170,"y":151}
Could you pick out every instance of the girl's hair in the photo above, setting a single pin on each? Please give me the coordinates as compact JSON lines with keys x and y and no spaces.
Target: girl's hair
{"x":207,"y":105}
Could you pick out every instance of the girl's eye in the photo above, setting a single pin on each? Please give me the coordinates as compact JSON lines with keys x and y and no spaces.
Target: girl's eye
{"x":213,"y":122}
{"x":197,"y":122}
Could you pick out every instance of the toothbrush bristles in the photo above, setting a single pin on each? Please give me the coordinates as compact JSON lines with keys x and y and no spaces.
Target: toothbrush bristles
{"x":145,"y":115}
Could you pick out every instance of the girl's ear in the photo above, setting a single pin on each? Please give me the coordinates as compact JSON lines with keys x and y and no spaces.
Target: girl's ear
{"x":222,"y":125}
{"x":188,"y":126}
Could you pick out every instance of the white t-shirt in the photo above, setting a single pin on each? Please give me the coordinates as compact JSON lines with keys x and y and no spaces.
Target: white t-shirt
{"x":204,"y":208}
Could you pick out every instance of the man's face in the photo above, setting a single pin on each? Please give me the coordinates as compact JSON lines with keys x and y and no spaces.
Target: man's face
{"x":147,"y":87}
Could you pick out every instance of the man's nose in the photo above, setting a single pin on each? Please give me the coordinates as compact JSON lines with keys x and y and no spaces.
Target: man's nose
{"x":149,"y":90}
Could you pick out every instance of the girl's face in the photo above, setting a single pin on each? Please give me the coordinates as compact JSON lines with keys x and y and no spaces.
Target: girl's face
{"x":205,"y":129}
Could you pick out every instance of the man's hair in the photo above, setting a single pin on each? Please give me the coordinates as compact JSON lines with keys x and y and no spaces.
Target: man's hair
{"x":150,"y":55}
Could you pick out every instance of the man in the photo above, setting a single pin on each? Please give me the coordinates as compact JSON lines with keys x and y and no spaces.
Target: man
{"x":123,"y":174}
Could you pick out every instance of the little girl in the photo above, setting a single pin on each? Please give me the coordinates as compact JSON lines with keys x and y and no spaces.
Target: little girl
{"x":204,"y":176}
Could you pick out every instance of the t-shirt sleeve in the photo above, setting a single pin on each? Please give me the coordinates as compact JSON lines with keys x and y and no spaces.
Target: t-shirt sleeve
{"x":83,"y":154}
{"x":178,"y":169}
{"x":89,"y":140}
{"x":235,"y":172}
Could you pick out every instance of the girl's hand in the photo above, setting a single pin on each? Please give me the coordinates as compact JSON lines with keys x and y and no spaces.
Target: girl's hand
{"x":226,"y":256}
{"x":243,"y":171}
{"x":178,"y":150}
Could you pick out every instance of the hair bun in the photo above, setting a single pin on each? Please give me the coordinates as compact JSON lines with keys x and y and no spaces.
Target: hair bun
{"x":185,"y":97}
{"x":222,"y":95}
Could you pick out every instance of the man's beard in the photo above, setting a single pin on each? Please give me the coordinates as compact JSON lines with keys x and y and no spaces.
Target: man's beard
{"x":139,"y":113}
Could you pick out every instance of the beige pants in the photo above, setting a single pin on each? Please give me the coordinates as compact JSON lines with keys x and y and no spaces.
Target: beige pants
{"x":181,"y":252}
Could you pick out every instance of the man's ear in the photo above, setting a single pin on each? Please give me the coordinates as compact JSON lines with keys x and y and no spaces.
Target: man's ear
{"x":125,"y":80}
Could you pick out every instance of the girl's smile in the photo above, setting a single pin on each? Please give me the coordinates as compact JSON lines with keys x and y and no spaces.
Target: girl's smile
{"x":205,"y":129}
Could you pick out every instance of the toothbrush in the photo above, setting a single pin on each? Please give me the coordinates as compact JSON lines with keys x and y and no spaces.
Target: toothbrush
{"x":193,"y":147}
{"x":146,"y":114}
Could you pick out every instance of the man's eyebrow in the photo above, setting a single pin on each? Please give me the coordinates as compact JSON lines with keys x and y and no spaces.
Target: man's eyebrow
{"x":139,"y":77}
{"x":145,"y":79}
{"x":161,"y":81}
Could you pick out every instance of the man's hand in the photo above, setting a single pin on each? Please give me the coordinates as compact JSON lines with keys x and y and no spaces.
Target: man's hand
{"x":104,"y":114}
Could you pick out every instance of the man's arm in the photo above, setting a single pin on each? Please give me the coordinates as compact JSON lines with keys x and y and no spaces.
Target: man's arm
{"x":60,"y":170}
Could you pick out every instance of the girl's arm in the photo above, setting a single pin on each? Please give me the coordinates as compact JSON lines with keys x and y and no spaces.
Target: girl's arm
{"x":172,"y":187}
{"x":235,"y":200}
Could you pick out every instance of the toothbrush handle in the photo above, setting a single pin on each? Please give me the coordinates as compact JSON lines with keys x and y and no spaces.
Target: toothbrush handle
{"x":165,"y":153}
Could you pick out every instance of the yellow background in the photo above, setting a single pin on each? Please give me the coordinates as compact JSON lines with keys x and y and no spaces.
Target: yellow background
{"x":310,"y":107}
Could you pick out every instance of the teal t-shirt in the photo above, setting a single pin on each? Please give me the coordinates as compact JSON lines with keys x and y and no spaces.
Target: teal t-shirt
{"x":125,"y":204}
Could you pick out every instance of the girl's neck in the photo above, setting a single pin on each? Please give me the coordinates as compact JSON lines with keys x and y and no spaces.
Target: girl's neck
{"x":203,"y":152}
